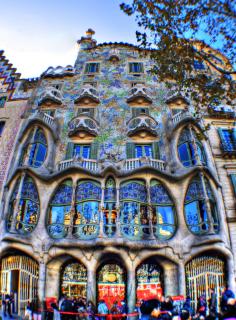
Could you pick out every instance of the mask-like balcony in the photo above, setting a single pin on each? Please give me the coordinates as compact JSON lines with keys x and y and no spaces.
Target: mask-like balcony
{"x":59,"y":71}
{"x":142,"y":122}
{"x":50,"y":94}
{"x":88,"y":93}
{"x":83,"y":123}
{"x":114,"y":55}
{"x":139,"y":93}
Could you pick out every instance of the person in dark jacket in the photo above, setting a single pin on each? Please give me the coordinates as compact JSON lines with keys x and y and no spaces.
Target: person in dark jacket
{"x":212,"y":303}
{"x":201,"y":306}
{"x":147,"y":307}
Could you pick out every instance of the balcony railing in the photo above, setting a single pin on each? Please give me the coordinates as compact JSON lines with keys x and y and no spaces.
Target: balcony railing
{"x":142,"y":122}
{"x":88,"y":91}
{"x":139,"y":91}
{"x":132,"y":164}
{"x":51,"y":94}
{"x":83,"y":123}
{"x":180,"y":116}
{"x":88,"y":164}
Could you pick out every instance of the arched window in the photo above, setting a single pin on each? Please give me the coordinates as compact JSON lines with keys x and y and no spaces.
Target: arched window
{"x":110,"y":214}
{"x":86,"y":218}
{"x":134,"y":212}
{"x":59,"y":210}
{"x":111,"y":283}
{"x":35,"y":152}
{"x":149,"y":281}
{"x":186,"y":150}
{"x":163,"y":211}
{"x":74,"y":280}
{"x":196,"y":215}
{"x":28,"y":209}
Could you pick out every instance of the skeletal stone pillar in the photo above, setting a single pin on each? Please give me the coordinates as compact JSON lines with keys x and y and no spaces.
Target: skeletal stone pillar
{"x":91,"y":285}
{"x":181,"y":278}
{"x":131,"y":290}
{"x":42,"y":281}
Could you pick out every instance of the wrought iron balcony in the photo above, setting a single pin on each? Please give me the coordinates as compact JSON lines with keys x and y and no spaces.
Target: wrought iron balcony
{"x":88,"y":91}
{"x":142,"y":122}
{"x":83,"y":123}
{"x":59,"y":71}
{"x":50,"y":94}
{"x":139,"y":91}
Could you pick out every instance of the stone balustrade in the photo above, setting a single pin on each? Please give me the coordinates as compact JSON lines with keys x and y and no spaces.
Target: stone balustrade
{"x":142,"y":122}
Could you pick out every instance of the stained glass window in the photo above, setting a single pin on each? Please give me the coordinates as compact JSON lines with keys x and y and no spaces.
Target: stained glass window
{"x":74,"y":280}
{"x":59,"y":210}
{"x":110,"y":214}
{"x":163,"y":211}
{"x":35,"y":153}
{"x":28,"y":209}
{"x":186,"y":151}
{"x":149,"y":281}
{"x":86,"y":219}
{"x":134,"y":213}
{"x":196,"y":210}
{"x":111,"y":283}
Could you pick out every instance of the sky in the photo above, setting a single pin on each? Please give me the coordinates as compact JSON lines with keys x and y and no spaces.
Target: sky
{"x":36,"y":34}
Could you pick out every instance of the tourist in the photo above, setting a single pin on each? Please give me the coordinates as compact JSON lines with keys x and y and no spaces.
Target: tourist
{"x":115,"y":309}
{"x":56,"y":313}
{"x":149,"y":309}
{"x":61,"y":300}
{"x":187,"y":306}
{"x":28,"y":311}
{"x":201,"y":307}
{"x":91,"y":310}
{"x":227,"y":294}
{"x":123,"y":307}
{"x":102,"y":309}
{"x":212,"y":303}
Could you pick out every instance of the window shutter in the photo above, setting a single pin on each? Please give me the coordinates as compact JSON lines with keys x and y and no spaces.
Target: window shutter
{"x":94,"y":150}
{"x":69,"y":150}
{"x":222,"y":138}
{"x":130,"y":150}
{"x":234,"y":137}
{"x":233,"y":178}
{"x":156,"y":152}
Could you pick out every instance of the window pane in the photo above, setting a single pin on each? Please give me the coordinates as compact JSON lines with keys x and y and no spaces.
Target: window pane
{"x":86,"y":152}
{"x":165,"y":215}
{"x":136,"y":67}
{"x":192,"y":218}
{"x":40,"y":155}
{"x":32,"y":153}
{"x":184,"y":154}
{"x":57,"y":214}
{"x":76,"y":151}
{"x":148,"y":151}
{"x":138,"y":151}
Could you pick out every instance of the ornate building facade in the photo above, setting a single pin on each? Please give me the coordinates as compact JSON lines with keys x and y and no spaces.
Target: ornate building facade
{"x":111,"y":187}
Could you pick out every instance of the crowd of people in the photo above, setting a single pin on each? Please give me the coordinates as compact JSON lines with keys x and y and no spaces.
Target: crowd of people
{"x":163,"y":308}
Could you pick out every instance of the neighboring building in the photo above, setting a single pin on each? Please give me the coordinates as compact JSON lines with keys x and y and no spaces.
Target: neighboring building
{"x":114,"y":189}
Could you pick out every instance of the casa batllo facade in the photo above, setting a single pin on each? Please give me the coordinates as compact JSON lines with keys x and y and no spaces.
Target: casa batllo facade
{"x":110,"y":186}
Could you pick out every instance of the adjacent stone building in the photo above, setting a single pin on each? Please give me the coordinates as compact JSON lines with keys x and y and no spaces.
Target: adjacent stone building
{"x":112,"y":188}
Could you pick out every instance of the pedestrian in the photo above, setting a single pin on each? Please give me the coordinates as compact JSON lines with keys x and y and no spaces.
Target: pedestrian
{"x":201,"y":307}
{"x":187,"y":305}
{"x":28,"y":311}
{"x":102,"y":309}
{"x":56,"y":313}
{"x":212,"y":303}
{"x":149,"y":309}
{"x":227,"y":294}
{"x":91,"y":310}
{"x":115,"y":308}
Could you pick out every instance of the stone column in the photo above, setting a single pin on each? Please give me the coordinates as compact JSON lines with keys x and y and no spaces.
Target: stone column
{"x":42,"y":281}
{"x":193,"y":140}
{"x":208,"y":206}
{"x":17,"y":203}
{"x":231,"y":275}
{"x":101,"y":224}
{"x":181,"y":278}
{"x":131,"y":290}
{"x":91,"y":285}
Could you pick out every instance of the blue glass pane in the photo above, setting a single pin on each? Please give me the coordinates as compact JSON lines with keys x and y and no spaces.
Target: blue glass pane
{"x":148,"y":151}
{"x":88,"y":211}
{"x":32,"y":152}
{"x":198,"y":65}
{"x":191,"y":154}
{"x":192,"y":218}
{"x":86,"y":152}
{"x":159,"y":194}
{"x":165,"y":215}
{"x":40,"y":155}
{"x":88,"y":190}
{"x":130,"y":212}
{"x":40,"y":137}
{"x":110,"y":191}
{"x":29,"y":211}
{"x":76,"y":151}
{"x":195,"y":190}
{"x":184,"y":154}
{"x":63,"y":195}
{"x":138,"y":151}
{"x":58,"y":214}
{"x":29,"y":190}
{"x":133,"y":190}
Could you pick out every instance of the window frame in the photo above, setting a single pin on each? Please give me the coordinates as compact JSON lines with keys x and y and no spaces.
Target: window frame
{"x":81,"y":150}
{"x":93,"y":72}
{"x":143,"y":150}
{"x":134,"y":72}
